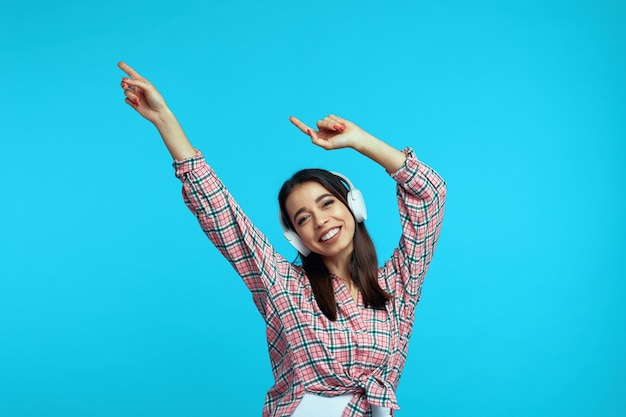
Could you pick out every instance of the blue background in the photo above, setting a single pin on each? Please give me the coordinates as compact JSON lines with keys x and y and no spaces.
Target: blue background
{"x":113,"y":303}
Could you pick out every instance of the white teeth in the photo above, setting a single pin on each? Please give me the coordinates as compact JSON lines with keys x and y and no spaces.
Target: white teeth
{"x":329,"y":235}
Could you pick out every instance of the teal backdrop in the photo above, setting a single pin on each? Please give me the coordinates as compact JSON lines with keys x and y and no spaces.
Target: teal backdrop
{"x":112,"y":301}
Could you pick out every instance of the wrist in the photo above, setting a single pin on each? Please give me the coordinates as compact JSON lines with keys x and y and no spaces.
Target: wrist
{"x":380,"y":152}
{"x":165,"y":119}
{"x":173,"y":136}
{"x":364,"y":143}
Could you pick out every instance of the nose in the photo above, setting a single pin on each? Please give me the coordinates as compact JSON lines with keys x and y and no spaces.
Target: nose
{"x":320,"y":220}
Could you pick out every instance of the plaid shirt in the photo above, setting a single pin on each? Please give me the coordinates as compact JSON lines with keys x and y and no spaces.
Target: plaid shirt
{"x":364,"y":351}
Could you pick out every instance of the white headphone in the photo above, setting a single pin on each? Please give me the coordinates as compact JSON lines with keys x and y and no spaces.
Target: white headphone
{"x":355,"y":202}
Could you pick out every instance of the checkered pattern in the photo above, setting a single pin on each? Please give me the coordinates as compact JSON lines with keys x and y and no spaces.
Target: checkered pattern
{"x":364,"y":351}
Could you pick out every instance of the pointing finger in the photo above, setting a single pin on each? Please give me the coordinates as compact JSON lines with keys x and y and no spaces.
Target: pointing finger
{"x":128,"y":70}
{"x":303,"y":128}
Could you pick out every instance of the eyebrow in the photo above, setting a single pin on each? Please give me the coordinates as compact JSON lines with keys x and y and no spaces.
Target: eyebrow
{"x":317,"y":200}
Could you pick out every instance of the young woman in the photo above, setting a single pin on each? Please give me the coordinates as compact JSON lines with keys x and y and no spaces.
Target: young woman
{"x":338,"y":326}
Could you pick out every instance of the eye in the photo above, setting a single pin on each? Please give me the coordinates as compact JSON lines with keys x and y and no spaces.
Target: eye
{"x":328,"y":202}
{"x":301,"y":220}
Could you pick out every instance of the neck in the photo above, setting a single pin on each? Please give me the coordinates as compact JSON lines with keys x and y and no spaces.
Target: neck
{"x":339,"y":265}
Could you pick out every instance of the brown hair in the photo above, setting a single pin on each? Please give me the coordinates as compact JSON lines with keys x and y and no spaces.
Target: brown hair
{"x":363,"y":262}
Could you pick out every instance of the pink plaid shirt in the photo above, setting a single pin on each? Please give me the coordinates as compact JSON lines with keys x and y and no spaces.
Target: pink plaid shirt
{"x":364,"y":351}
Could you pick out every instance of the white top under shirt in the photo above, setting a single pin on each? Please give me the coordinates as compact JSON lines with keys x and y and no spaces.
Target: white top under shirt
{"x":315,"y":406}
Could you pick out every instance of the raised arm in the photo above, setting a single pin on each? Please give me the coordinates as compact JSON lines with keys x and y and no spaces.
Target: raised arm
{"x":220,"y":216}
{"x":142,"y":96}
{"x":421,"y":197}
{"x":334,"y":132}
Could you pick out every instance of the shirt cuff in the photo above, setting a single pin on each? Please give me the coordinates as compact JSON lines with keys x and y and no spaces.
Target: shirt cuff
{"x":406,"y":172}
{"x":188,"y":164}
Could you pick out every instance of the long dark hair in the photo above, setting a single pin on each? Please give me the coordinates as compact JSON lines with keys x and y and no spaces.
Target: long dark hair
{"x":363,"y":262}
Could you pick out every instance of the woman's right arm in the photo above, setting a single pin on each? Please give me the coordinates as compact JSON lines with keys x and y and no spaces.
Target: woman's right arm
{"x":219,"y":215}
{"x":231,"y":231}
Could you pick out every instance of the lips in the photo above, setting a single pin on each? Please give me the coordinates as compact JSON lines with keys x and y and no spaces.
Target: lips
{"x":330,"y":234}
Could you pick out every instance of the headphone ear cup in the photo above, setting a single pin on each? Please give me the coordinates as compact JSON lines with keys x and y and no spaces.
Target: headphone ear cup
{"x":356,"y":202}
{"x":293,"y":238}
{"x":357,"y":205}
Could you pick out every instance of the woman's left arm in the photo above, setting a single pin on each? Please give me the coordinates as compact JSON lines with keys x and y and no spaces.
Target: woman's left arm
{"x":421,"y":198}
{"x":334,"y":132}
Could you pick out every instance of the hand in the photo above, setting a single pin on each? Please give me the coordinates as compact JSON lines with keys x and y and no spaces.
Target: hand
{"x":146,"y":100}
{"x":141,"y":95}
{"x":333,"y":132}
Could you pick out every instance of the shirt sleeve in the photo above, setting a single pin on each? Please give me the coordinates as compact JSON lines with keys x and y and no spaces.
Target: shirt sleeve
{"x":230,"y":230}
{"x":421,"y":196}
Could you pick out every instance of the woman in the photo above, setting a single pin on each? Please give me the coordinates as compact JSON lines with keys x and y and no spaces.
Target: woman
{"x":337,"y":327}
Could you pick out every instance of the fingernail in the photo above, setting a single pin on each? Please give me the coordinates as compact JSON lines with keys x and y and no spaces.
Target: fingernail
{"x":124,"y":86}
{"x":124,"y":78}
{"x":308,"y":131}
{"x":336,"y":127}
{"x":136,"y":101}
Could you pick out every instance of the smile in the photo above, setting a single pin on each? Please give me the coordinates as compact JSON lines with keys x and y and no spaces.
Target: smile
{"x":330,"y":234}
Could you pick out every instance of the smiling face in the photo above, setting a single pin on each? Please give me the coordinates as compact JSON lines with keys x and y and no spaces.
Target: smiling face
{"x":325,"y":225}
